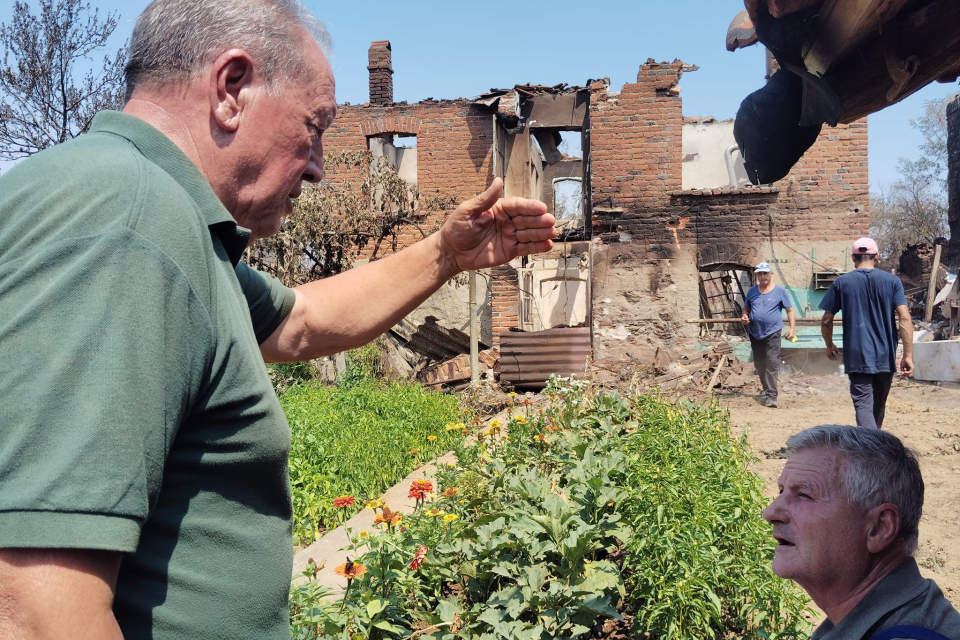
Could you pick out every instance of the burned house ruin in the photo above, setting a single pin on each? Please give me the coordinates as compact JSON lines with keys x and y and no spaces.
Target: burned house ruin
{"x":659,"y":223}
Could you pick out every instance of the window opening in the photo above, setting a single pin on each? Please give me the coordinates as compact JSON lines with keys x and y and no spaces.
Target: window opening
{"x":571,"y":145}
{"x":393,"y":157}
{"x":568,"y":198}
{"x":405,"y":142}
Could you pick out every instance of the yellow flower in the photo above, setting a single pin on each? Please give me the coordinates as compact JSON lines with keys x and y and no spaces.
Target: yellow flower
{"x":375,"y":504}
{"x":431,"y":438}
{"x":461,"y":426}
{"x":494,"y":424}
{"x":451,"y":426}
{"x":433,"y":513}
{"x":450,"y":517}
{"x":512,"y":394}
{"x":363,"y":534}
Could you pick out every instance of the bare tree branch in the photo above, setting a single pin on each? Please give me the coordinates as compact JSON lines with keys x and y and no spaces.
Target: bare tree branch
{"x":42,"y":101}
{"x":333,"y":223}
{"x":914,"y":209}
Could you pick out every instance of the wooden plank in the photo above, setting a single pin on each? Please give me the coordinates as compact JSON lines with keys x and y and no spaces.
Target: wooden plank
{"x":716,"y":373}
{"x":780,"y":8}
{"x":558,"y":111}
{"x":844,"y":24}
{"x":929,"y":33}
{"x":932,"y":287}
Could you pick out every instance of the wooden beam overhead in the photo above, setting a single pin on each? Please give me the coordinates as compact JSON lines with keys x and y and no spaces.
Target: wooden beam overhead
{"x":928,"y":35}
{"x":844,"y":24}
{"x":780,"y":8}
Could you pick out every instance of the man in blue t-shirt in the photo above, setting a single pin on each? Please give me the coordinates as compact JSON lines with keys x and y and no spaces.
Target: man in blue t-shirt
{"x":764,"y":320}
{"x":872,"y":301}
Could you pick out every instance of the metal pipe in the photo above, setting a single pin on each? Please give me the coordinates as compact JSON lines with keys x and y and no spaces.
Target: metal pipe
{"x":474,"y":340}
{"x":731,"y":170}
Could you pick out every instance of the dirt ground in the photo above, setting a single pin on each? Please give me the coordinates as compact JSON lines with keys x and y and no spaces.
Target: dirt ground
{"x":925,"y":416}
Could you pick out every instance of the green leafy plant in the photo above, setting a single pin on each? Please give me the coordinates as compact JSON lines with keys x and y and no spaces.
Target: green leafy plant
{"x":359,"y":440}
{"x":596,"y":510}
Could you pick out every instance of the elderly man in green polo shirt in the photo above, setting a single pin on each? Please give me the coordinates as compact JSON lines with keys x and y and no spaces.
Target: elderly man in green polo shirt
{"x":846,"y":525}
{"x":144,"y":490}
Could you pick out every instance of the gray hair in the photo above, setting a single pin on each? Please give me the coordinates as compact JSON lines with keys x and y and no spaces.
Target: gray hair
{"x":875,"y":468}
{"x":173,"y":39}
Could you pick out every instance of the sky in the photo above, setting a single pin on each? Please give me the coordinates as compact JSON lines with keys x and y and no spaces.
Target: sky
{"x":444,"y":49}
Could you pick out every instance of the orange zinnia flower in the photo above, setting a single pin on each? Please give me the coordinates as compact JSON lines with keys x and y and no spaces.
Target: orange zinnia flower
{"x":388,"y":517}
{"x":343,"y":502}
{"x":350,"y":570}
{"x":419,"y":489}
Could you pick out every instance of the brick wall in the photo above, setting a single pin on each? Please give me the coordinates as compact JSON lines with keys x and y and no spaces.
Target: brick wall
{"x":504,"y":300}
{"x":636,"y":161}
{"x":636,"y":139}
{"x":649,"y":231}
{"x":454,"y":141}
{"x":381,"y":73}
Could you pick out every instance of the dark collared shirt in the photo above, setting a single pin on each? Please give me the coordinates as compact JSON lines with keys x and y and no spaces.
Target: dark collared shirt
{"x":903,"y":598}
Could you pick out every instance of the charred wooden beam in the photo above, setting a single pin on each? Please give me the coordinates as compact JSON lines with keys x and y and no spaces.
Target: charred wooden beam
{"x":842,"y":25}
{"x":863,"y":80}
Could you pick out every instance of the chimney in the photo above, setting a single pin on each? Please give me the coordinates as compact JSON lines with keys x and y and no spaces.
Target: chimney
{"x":381,"y":73}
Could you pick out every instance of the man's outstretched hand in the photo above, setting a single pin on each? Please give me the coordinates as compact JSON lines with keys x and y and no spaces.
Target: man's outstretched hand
{"x":487,"y":230}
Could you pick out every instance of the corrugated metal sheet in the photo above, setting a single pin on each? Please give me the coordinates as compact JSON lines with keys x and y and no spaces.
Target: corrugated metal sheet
{"x":527,"y":359}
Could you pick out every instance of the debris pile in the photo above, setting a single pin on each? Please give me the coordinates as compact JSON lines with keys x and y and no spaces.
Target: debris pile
{"x":704,"y":370}
{"x":456,"y":371}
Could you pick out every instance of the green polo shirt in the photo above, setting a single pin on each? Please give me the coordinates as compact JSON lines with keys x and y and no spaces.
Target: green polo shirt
{"x":902,"y":598}
{"x":136,"y":413}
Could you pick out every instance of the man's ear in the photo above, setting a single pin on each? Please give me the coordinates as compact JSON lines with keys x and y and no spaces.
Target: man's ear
{"x":883,"y":523}
{"x":231,"y":77}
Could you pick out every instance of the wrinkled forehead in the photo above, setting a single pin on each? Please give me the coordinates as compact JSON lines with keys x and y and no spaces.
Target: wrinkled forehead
{"x":819,"y":468}
{"x":318,"y":81}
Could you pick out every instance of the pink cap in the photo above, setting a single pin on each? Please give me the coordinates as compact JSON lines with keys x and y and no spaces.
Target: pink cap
{"x":865,"y":246}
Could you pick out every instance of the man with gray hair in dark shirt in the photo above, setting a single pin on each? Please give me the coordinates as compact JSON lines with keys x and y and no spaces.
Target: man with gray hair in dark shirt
{"x":846,"y":525}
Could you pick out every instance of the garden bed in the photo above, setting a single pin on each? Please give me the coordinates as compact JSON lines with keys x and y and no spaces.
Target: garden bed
{"x":358,"y":440}
{"x":599,"y":515}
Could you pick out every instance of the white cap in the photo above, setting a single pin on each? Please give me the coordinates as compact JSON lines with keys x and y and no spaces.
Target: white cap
{"x":763,"y":267}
